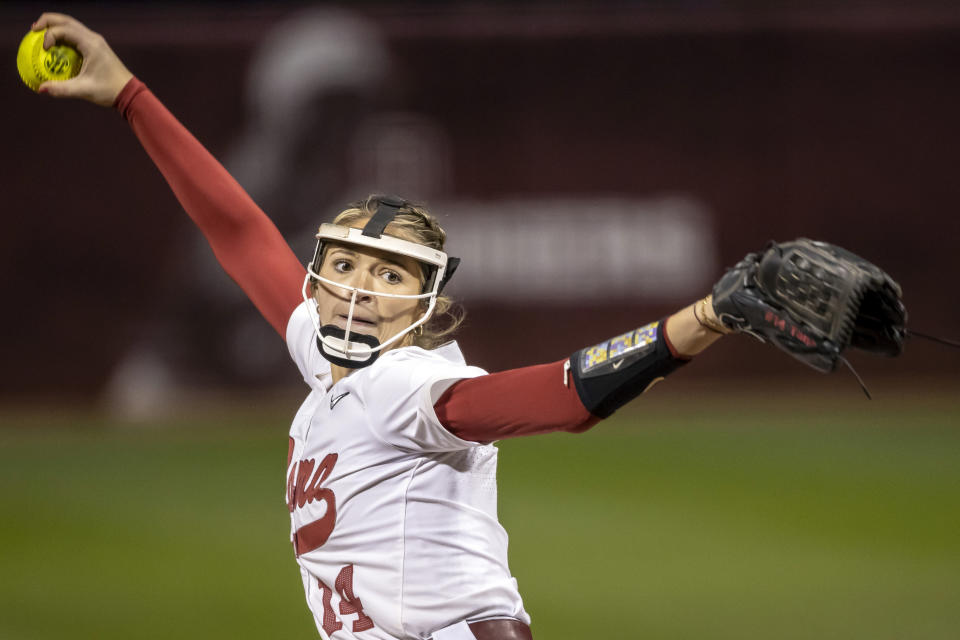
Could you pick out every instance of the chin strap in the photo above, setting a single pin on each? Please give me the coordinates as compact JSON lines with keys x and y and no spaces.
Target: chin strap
{"x":357,"y":342}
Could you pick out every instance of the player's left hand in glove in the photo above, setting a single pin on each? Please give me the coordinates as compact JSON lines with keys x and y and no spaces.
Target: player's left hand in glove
{"x":813,"y":300}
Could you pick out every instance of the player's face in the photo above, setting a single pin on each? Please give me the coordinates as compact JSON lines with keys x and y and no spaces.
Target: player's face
{"x":373,"y":270}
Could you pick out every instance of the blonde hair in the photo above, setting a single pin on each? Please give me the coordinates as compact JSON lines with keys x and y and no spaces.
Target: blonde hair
{"x":414,"y":223}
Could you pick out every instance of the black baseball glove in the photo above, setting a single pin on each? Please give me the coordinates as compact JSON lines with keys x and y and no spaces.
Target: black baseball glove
{"x":813,"y":300}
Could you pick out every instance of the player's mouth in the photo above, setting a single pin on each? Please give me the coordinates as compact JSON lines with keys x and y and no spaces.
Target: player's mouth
{"x":359,"y":324}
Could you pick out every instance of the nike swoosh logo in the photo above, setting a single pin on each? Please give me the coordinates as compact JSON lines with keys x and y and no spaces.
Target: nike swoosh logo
{"x":616,"y":365}
{"x":335,"y":399}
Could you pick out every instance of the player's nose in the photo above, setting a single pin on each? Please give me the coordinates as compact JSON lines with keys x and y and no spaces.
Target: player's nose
{"x":362,"y":279}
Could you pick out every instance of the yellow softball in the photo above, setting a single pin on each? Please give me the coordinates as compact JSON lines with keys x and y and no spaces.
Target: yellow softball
{"x":37,"y":65}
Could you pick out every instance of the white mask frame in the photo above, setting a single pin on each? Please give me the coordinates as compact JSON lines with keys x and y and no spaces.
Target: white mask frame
{"x":359,"y":354}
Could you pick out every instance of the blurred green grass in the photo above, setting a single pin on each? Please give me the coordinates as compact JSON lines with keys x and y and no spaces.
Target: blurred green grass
{"x":688,"y":516}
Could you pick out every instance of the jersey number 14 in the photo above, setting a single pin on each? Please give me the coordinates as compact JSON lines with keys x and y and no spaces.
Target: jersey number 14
{"x":349,"y":603}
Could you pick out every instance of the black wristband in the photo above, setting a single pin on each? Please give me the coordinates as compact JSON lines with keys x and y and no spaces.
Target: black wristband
{"x":611,"y":374}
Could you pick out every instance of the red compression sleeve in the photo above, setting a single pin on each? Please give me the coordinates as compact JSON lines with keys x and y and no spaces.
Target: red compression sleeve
{"x":246,"y":243}
{"x":519,"y":402}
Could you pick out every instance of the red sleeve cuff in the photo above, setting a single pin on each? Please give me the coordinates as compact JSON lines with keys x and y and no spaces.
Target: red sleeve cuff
{"x":125,"y":98}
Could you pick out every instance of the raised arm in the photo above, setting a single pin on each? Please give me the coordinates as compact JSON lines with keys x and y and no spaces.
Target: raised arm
{"x":245,"y":241}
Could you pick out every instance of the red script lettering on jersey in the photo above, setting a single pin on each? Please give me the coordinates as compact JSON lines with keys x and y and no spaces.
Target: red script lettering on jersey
{"x":303,"y":487}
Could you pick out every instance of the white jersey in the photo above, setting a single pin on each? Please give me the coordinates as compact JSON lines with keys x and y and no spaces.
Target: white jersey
{"x":393,"y":518}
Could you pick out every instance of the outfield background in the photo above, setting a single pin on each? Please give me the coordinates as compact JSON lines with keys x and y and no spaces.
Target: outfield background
{"x":144,"y":407}
{"x":753,"y":514}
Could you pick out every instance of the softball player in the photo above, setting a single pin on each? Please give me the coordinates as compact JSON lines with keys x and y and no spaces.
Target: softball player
{"x":391,"y":475}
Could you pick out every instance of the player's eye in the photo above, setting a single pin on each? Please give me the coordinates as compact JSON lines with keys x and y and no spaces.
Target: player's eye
{"x":342,"y":266}
{"x":392,"y":277}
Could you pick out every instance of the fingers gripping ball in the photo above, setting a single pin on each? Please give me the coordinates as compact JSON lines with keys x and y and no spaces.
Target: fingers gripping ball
{"x":38,"y":65}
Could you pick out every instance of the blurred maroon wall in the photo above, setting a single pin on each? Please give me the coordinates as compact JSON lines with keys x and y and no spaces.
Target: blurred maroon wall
{"x":843,"y":128}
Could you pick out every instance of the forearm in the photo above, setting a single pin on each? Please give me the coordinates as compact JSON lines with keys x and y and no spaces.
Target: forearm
{"x":694,"y":328}
{"x":246,"y":242}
